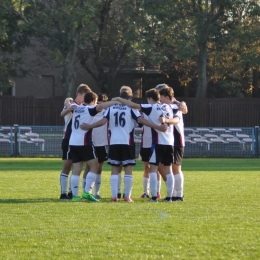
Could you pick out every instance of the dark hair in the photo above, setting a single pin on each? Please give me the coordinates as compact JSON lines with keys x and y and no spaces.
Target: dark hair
{"x":167,"y":92}
{"x":102,"y":97}
{"x":153,"y":93}
{"x":90,"y":97}
{"x":83,"y":88}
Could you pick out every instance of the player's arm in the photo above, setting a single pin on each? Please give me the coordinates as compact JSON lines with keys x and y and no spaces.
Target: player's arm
{"x":107,"y":104}
{"x":67,"y":102}
{"x":182,"y":106}
{"x":64,"y":112}
{"x":174,"y":120}
{"x":143,"y":121}
{"x":99,"y":123}
{"x":128,"y":103}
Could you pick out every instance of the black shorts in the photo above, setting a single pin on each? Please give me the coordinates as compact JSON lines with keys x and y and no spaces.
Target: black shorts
{"x":82,"y":153}
{"x":121,"y":154}
{"x":178,"y":154}
{"x":162,"y":154}
{"x":101,"y":153}
{"x":66,"y":154}
{"x":145,"y":154}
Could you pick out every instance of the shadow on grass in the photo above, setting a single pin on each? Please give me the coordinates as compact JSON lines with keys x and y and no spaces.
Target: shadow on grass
{"x":54,"y":200}
{"x":32,"y":200}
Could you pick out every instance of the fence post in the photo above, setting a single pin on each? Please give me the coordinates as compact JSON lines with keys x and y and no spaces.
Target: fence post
{"x":257,"y":141}
{"x":15,"y":140}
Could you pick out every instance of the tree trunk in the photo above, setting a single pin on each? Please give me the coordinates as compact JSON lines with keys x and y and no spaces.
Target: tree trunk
{"x":201,"y":85}
{"x":68,"y":75}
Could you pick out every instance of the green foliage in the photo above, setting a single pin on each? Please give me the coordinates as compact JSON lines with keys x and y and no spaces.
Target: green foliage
{"x":14,"y":36}
{"x":217,"y":220}
{"x":104,"y":34}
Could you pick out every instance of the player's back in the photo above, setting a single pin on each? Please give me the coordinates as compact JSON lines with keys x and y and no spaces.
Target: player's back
{"x":68,"y":122}
{"x":82,"y":114}
{"x":146,"y":135}
{"x":121,"y":124}
{"x":100,"y":135}
{"x":154,"y":112}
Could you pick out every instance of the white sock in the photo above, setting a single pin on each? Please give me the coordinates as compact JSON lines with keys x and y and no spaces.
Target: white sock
{"x":90,"y":181}
{"x":178,"y":185}
{"x":128,"y":182}
{"x":70,"y":185}
{"x":63,"y":183}
{"x":83,"y":184}
{"x":119,"y":182}
{"x":146,"y":184}
{"x":97,"y":185}
{"x":170,"y":184}
{"x":153,"y":184}
{"x":159,"y":184}
{"x":74,"y":183}
{"x":113,"y":185}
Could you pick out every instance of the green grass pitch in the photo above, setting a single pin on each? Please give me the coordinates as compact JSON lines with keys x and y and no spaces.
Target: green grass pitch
{"x":219,"y":219}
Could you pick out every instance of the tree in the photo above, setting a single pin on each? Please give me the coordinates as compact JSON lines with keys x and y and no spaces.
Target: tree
{"x":188,"y":31}
{"x":14,"y":35}
{"x":102,"y":52}
{"x":60,"y":24}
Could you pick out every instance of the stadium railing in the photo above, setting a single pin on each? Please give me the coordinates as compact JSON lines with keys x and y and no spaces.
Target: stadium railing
{"x":45,"y":141}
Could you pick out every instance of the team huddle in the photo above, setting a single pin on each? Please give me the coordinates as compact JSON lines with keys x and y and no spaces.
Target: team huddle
{"x":92,"y":122}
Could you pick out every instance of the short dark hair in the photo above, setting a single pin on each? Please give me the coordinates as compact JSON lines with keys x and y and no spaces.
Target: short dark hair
{"x":90,"y":97}
{"x":153,"y":93}
{"x":167,"y":92}
{"x":102,"y":97}
{"x":83,"y":88}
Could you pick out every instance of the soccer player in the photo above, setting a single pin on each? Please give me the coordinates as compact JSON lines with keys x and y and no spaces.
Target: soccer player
{"x":67,"y":112}
{"x":81,"y":145}
{"x":162,"y":142}
{"x":145,"y":153}
{"x":100,"y":141}
{"x":167,"y":97}
{"x":122,"y":150}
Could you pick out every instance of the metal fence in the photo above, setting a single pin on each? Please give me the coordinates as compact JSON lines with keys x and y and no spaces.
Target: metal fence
{"x":45,"y":141}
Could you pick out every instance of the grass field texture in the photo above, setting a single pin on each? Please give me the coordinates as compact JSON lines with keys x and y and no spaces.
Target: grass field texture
{"x":219,"y":219}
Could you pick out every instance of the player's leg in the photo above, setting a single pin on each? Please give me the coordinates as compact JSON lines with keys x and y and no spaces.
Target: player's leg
{"x":153,"y":181}
{"x":115,"y":170}
{"x":66,"y":167}
{"x":90,"y":179}
{"x":114,"y":159}
{"x":146,"y":180}
{"x":169,"y":183}
{"x":74,"y":180}
{"x":167,"y":161}
{"x":119,"y":193}
{"x":128,"y":183}
{"x":159,"y":184}
{"x":64,"y":177}
{"x":155,"y":159}
{"x":178,"y":175}
{"x":162,"y":173}
{"x":145,"y":154}
{"x":98,"y":181}
{"x":84,"y":177}
{"x":102,"y":156}
{"x":128,"y":161}
{"x":92,"y":174}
